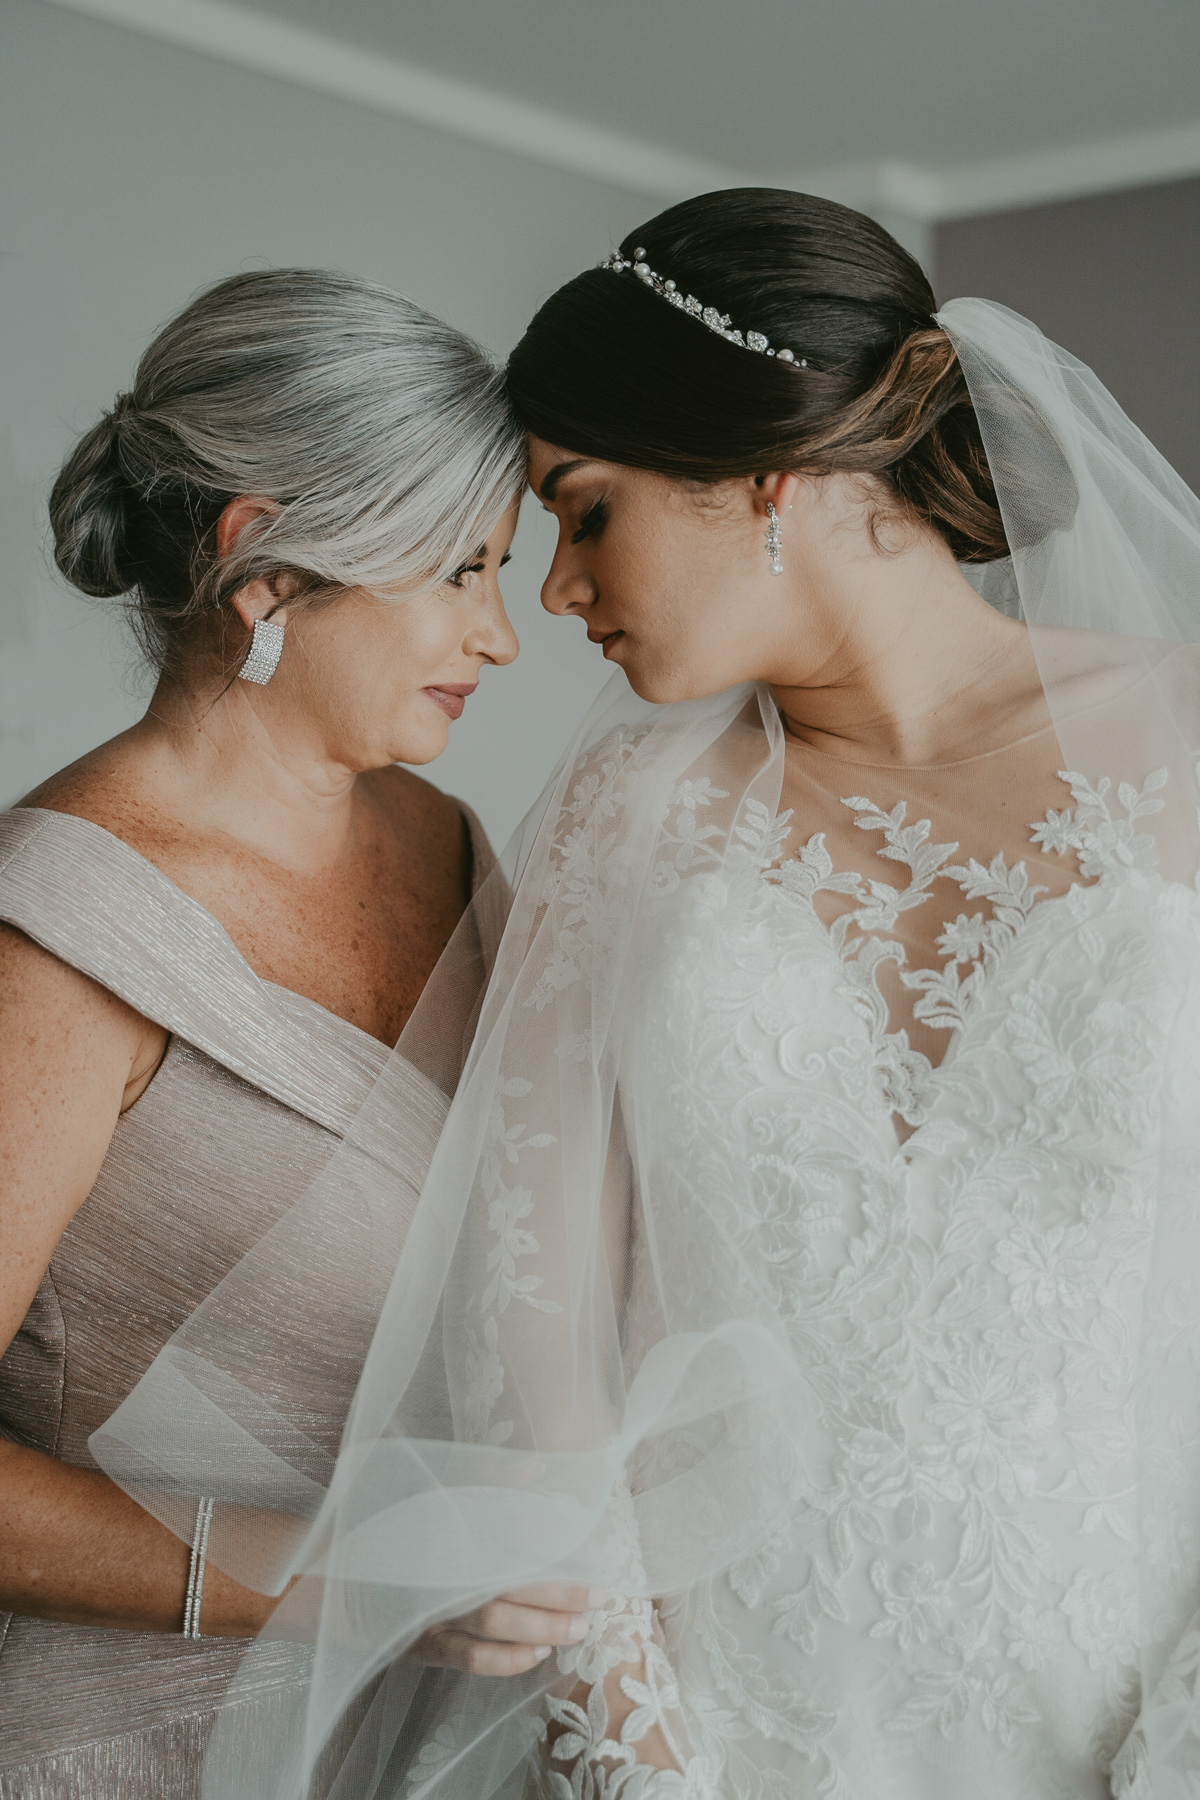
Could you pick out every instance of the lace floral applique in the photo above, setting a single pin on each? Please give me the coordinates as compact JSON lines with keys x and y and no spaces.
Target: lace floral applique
{"x":601,"y":1767}
{"x":901,"y":1071}
{"x":1104,"y":845}
{"x":1174,"y":1708}
{"x":621,"y":1666}
{"x":971,"y":945}
{"x":686,"y":840}
{"x":964,"y":1312}
{"x":585,"y":882}
{"x":509,"y":1207}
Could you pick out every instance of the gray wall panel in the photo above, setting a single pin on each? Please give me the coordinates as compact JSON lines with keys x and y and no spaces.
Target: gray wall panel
{"x":1115,"y":279}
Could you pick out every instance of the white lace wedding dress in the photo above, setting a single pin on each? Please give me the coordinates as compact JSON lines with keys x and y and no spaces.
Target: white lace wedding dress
{"x":958,"y":1248}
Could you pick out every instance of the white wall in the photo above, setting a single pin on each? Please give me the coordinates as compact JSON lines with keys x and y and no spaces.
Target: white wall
{"x":131,"y":174}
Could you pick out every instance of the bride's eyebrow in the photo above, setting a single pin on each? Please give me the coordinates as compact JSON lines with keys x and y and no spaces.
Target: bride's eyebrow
{"x":549,"y":487}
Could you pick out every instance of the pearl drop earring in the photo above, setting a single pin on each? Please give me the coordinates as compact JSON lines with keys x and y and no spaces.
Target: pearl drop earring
{"x":774,"y":539}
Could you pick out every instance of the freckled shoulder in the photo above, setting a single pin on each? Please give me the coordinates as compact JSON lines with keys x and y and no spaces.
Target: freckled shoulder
{"x":101,"y":785}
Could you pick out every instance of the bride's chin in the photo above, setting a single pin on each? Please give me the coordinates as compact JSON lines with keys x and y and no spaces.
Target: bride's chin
{"x":645,"y":687}
{"x":665,"y":687}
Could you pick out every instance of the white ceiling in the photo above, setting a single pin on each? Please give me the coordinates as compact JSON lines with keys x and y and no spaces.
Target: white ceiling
{"x":776,"y":86}
{"x":925,"y":108}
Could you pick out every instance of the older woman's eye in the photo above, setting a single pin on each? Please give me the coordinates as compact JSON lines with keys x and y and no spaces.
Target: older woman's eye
{"x":456,"y":580}
{"x":592,"y":523}
{"x":474,"y":568}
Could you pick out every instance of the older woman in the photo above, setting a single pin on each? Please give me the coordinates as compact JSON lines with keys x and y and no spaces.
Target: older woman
{"x":212,"y":929}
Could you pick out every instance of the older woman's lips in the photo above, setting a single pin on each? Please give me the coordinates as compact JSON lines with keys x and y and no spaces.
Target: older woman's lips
{"x":452,"y":696}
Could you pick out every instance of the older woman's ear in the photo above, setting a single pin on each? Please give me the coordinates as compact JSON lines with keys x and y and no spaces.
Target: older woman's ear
{"x":243,"y":520}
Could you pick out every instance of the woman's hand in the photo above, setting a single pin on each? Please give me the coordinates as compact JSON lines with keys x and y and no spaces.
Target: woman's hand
{"x":513,"y":1633}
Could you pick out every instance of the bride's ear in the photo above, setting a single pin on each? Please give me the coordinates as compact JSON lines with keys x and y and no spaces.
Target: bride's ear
{"x":777,"y":490}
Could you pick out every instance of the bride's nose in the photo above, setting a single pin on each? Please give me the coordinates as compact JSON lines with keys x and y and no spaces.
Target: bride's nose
{"x":568,"y":588}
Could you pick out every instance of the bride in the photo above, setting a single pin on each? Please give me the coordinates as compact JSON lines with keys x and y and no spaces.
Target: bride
{"x":810,"y":1260}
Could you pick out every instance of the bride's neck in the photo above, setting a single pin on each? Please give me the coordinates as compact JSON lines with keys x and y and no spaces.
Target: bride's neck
{"x":897,"y":659}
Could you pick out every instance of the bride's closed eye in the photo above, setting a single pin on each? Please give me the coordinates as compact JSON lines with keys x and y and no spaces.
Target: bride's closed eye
{"x":592,"y":522}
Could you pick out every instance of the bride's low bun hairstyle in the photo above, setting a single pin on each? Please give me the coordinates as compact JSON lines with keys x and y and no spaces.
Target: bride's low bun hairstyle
{"x":608,"y":368}
{"x":382,"y":437}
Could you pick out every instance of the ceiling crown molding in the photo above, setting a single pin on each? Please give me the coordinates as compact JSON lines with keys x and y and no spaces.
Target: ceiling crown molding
{"x":893,"y":189}
{"x":291,"y":52}
{"x":1001,"y":183}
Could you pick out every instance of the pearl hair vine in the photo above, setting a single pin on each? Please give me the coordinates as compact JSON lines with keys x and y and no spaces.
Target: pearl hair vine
{"x":688,"y":303}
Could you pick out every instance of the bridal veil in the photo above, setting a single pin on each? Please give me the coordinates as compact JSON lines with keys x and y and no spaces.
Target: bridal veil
{"x":490,"y":1345}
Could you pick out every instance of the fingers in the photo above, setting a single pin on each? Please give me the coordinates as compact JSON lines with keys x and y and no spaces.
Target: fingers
{"x":512,"y":1634}
{"x":447,"y":1647}
{"x":561,"y":1596}
{"x":503,"y":1621}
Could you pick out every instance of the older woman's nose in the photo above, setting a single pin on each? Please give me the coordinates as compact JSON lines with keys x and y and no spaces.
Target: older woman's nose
{"x":494,"y":637}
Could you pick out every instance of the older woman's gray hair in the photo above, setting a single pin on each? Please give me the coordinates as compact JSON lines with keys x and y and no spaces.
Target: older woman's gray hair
{"x":381,"y":434}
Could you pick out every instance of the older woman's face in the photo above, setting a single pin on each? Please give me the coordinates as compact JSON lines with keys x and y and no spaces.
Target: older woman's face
{"x":380,"y":678}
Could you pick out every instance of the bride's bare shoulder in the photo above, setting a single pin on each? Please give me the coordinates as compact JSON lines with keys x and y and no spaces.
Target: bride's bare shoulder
{"x":1086,"y":669}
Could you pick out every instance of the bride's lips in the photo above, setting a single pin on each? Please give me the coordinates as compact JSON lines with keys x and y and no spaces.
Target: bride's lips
{"x":452,"y":696}
{"x":608,"y":638}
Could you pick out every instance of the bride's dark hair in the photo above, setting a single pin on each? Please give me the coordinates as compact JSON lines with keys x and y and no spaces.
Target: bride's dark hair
{"x":609,"y":369}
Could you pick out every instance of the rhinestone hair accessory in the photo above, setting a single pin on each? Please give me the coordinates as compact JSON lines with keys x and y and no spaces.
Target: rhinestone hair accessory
{"x":721,"y":323}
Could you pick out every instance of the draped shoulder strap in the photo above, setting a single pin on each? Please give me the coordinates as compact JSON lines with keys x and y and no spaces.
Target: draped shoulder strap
{"x":95,"y":903}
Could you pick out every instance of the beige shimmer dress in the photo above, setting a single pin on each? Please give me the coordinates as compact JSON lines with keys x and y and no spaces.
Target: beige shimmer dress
{"x":256,"y":1089}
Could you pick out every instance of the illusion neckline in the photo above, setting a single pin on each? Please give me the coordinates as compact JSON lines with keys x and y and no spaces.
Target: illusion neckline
{"x":960,"y":762}
{"x":896,"y":768}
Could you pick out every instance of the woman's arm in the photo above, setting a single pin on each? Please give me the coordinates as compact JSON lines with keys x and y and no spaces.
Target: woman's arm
{"x":72,"y":1058}
{"x":73,"y":1545}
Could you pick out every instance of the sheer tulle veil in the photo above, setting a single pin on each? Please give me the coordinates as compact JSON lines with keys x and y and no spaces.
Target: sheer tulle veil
{"x":420,"y":1390}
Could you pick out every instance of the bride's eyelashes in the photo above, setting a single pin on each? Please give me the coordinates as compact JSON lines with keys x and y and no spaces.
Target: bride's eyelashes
{"x":592,"y":522}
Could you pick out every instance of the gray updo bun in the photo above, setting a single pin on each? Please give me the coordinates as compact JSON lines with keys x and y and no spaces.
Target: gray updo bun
{"x":90,"y":511}
{"x":382,"y":435}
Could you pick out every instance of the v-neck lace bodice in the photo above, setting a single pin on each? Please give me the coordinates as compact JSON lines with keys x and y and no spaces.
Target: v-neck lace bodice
{"x":964,"y":1303}
{"x":1101,"y":836}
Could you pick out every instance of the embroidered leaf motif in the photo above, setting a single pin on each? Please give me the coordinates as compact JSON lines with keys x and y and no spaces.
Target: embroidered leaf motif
{"x":1103,"y":844}
{"x":964,"y":1312}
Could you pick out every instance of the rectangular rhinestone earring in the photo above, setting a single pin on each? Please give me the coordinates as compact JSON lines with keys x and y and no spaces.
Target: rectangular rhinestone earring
{"x":774,"y":540}
{"x":266,"y":647}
